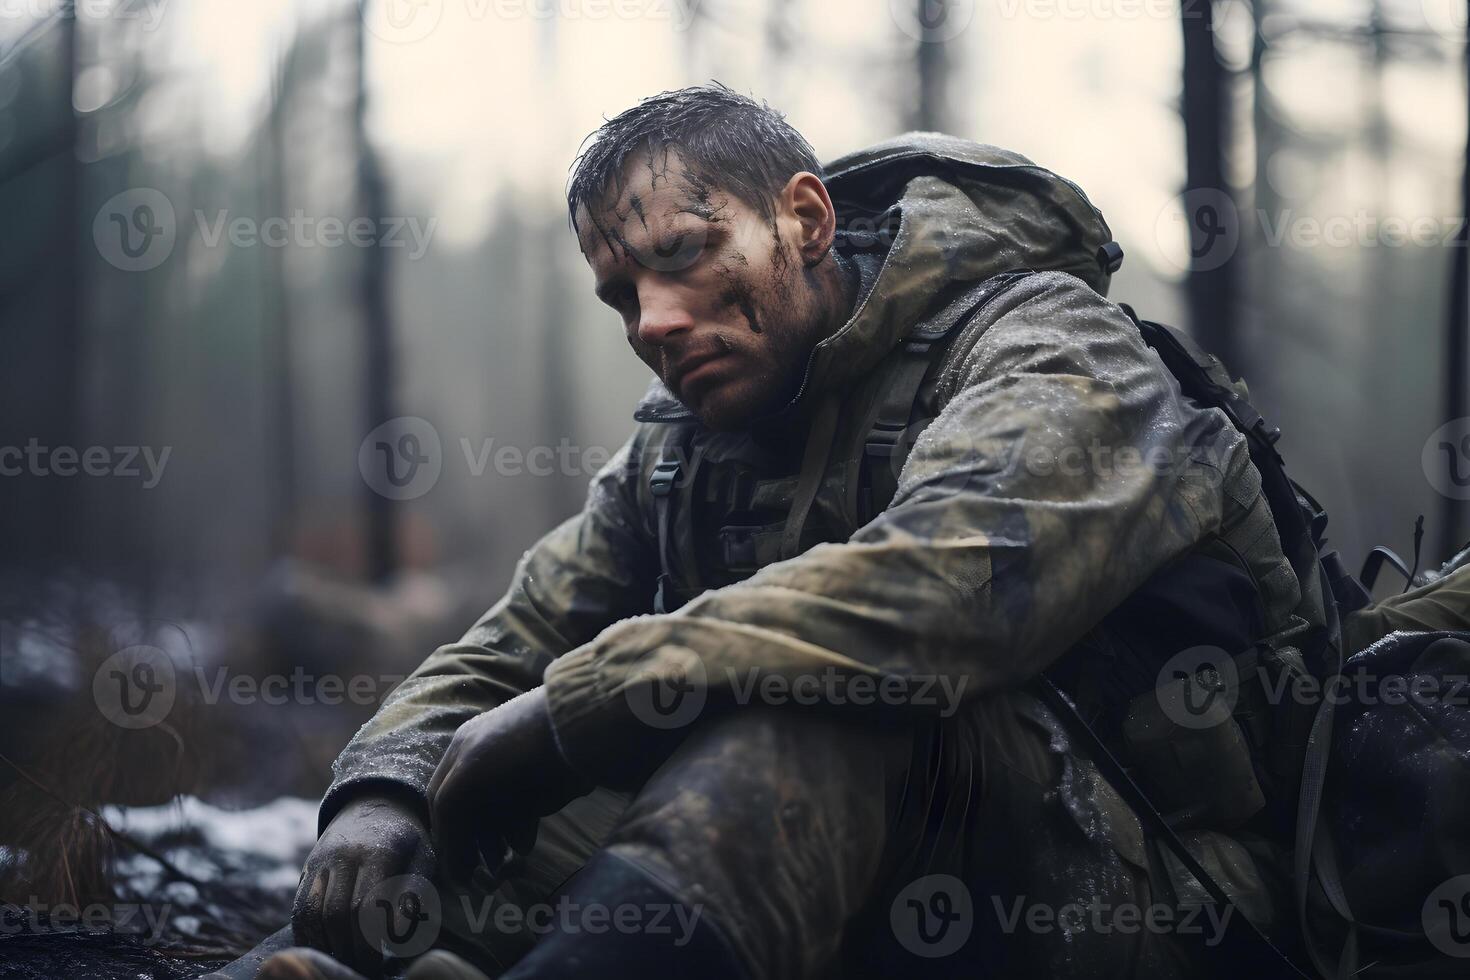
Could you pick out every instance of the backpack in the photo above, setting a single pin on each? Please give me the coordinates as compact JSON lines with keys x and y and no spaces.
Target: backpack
{"x":1401,"y":908}
{"x":1326,"y":772}
{"x":1390,"y":887}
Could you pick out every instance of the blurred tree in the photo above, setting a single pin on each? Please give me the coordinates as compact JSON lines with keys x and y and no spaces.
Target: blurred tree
{"x":41,"y":285}
{"x":1211,"y":283}
{"x":279,"y":323}
{"x":1455,"y":524}
{"x":931,"y":68}
{"x":378,"y":374}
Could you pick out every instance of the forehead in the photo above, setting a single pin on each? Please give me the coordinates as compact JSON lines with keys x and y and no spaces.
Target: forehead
{"x":655,"y":193}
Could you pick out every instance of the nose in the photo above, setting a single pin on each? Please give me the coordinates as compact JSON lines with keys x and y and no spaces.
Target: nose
{"x":661,"y":315}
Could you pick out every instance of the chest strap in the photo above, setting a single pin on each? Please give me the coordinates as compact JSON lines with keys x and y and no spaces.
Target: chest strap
{"x":674,"y":471}
{"x":894,"y":430}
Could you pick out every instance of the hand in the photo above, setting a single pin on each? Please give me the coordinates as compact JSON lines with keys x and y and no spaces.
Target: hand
{"x":369,"y":841}
{"x":500,"y":775}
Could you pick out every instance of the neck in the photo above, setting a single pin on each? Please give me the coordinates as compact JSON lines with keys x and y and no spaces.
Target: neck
{"x":839,"y":282}
{"x":850,"y":281}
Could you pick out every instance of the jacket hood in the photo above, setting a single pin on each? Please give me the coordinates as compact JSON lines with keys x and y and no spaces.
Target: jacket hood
{"x":956,"y":213}
{"x":944,"y":214}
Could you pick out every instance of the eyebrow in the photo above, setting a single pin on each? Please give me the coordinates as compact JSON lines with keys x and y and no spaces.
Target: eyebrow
{"x":714,"y":231}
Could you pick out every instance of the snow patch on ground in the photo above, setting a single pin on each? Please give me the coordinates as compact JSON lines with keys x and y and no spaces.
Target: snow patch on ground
{"x":281,"y":830}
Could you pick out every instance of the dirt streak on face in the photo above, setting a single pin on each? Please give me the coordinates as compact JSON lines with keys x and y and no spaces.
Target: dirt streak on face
{"x":723,"y":302}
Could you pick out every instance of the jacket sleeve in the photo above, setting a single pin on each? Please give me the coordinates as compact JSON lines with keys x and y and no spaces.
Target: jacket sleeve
{"x":1443,"y":604}
{"x":596,"y":568}
{"x":1063,"y":468}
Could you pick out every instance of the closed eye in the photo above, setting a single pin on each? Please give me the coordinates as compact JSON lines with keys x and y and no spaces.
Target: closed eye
{"x":619,"y":296}
{"x":674,"y":253}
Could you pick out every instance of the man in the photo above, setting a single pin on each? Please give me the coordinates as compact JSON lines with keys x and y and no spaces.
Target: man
{"x":775,"y":679}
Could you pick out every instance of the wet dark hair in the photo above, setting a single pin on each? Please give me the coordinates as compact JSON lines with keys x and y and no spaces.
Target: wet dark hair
{"x":727,"y":141}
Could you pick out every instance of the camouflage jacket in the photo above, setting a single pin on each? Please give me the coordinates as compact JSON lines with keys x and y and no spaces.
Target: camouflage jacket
{"x":1062,"y":468}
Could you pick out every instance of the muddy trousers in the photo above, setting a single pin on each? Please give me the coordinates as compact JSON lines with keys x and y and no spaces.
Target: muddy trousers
{"x":813,"y":845}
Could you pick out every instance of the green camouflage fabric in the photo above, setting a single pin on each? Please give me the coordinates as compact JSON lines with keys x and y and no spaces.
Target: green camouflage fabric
{"x":1061,"y":469}
{"x":1442,"y":604}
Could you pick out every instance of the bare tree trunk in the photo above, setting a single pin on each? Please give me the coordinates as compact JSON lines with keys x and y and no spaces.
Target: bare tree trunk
{"x":1457,"y":340}
{"x":377,"y":329}
{"x":42,"y":293}
{"x":280,"y":376}
{"x":559,"y":402}
{"x":1206,"y":125}
{"x":931,"y":67}
{"x":74,"y":537}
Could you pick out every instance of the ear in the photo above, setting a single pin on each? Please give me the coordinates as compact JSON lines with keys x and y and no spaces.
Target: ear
{"x":805,"y":200}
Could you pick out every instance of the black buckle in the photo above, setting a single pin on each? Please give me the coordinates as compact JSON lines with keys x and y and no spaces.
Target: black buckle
{"x":883,"y":440}
{"x":665,"y":477}
{"x":1251,"y":421}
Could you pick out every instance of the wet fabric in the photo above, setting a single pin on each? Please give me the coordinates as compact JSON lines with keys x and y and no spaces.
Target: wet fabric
{"x":1396,"y":809}
{"x":820,"y":846}
{"x":1060,"y":470}
{"x":1443,"y":604}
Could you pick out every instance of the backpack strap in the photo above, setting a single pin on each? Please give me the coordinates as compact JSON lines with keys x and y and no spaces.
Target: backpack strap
{"x":1300,"y":523}
{"x":1249,"y":946}
{"x":673,"y":472}
{"x":1300,"y":520}
{"x":918,"y":358}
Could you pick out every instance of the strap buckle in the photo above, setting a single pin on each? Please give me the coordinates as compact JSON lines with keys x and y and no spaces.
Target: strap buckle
{"x":665,"y":477}
{"x":883,"y":439}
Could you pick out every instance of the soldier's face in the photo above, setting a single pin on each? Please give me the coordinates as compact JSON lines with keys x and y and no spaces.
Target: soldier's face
{"x":722,"y":302}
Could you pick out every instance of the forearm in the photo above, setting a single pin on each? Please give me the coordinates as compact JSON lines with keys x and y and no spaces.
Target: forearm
{"x":589,"y":572}
{"x":1063,"y":471}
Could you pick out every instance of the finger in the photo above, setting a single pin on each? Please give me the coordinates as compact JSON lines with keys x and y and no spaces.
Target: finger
{"x":422,"y":861}
{"x":521,"y":835}
{"x":365,"y":956}
{"x":445,"y":768}
{"x":306,"y":914}
{"x":455,"y":847}
{"x":492,"y":852}
{"x":443,"y":806}
{"x":337,"y":921}
{"x":453,"y":838}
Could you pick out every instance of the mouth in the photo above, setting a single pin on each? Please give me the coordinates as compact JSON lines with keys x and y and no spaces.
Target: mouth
{"x":695,"y":369}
